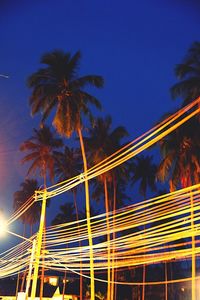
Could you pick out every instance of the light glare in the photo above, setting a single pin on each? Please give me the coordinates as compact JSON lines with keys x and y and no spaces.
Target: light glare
{"x":3,"y":227}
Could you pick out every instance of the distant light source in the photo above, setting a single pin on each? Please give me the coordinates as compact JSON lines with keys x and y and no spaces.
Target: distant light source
{"x":53,"y":281}
{"x":3,"y":226}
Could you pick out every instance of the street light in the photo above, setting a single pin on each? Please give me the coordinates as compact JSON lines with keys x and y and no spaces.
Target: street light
{"x":3,"y":226}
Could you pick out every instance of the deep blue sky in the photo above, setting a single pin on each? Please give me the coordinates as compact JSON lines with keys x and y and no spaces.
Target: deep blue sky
{"x":133,"y":44}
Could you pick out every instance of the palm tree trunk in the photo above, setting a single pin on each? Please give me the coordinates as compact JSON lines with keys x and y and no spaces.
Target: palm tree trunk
{"x":77,"y":219}
{"x":143,"y":281}
{"x":189,"y":183}
{"x":166,"y":289}
{"x":171,"y":277}
{"x":144,"y":266}
{"x":144,"y":273}
{"x":113,"y":286}
{"x":87,"y":204}
{"x":42,"y":273}
{"x":43,"y":254}
{"x":193,"y":249}
{"x":108,"y":235}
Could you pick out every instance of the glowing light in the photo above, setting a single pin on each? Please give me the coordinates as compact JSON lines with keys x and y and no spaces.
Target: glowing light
{"x":3,"y":226}
{"x":53,"y":281}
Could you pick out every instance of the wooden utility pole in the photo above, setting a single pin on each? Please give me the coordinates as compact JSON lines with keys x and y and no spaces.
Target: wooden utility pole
{"x":39,"y":244}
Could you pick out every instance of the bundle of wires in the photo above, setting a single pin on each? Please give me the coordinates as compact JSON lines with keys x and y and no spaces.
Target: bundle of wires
{"x":169,"y":220}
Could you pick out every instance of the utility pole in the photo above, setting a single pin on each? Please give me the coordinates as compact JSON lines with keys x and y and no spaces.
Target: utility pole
{"x":30,"y":268}
{"x":39,"y":243}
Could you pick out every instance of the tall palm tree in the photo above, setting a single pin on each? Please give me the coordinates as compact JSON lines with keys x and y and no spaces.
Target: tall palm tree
{"x":188,"y":74}
{"x":101,"y":142}
{"x":144,"y":171}
{"x":58,"y":86}
{"x":180,"y":164}
{"x":182,"y":167}
{"x":188,"y":88}
{"x":40,"y":148}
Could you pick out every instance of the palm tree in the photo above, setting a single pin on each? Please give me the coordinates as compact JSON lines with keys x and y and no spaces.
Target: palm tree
{"x":58,"y":86}
{"x":188,"y":74}
{"x":101,"y":142}
{"x":32,"y":215}
{"x":180,"y":164}
{"x":28,"y":188}
{"x":144,"y":171}
{"x":184,"y":164}
{"x":40,"y":148}
{"x":188,"y":88}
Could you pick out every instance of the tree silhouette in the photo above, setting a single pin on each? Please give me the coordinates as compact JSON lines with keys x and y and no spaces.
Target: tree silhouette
{"x":188,"y":74}
{"x":58,"y":86}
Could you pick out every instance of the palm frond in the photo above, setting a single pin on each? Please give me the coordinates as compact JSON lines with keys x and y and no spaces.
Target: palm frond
{"x":186,"y":88}
{"x":73,"y":65}
{"x":29,"y":157}
{"x":185,"y":70}
{"x":53,"y":58}
{"x":92,"y":80}
{"x":164,"y":168}
{"x":91,"y":99}
{"x":36,"y":165}
{"x":27,"y":145}
{"x":58,"y":84}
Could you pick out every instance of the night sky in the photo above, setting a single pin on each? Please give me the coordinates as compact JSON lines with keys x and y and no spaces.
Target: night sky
{"x":134,"y":45}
